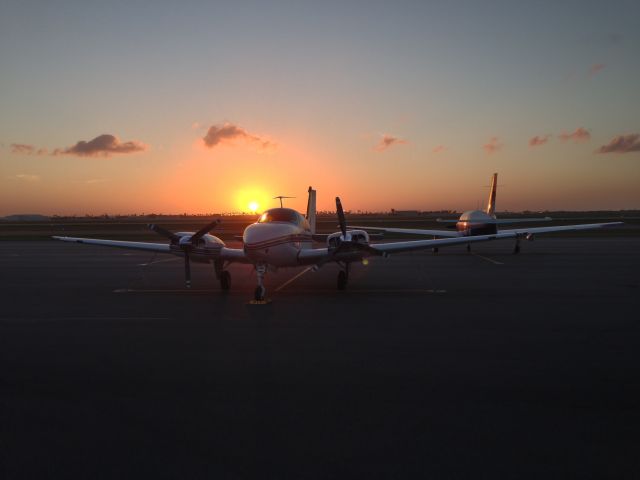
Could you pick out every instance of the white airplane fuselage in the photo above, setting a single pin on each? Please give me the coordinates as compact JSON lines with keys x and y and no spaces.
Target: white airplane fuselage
{"x":476,"y":222}
{"x":277,"y":238}
{"x":277,"y":243}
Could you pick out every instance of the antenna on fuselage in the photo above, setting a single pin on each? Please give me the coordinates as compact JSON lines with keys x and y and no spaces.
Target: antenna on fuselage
{"x":280,"y":197}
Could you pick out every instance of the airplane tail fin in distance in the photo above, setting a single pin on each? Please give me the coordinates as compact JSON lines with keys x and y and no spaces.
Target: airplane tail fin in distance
{"x":311,"y":210}
{"x":491,"y":204}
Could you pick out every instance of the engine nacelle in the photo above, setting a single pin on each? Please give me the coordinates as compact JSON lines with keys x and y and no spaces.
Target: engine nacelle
{"x":207,"y":240}
{"x":355,"y":236}
{"x":211,"y":241}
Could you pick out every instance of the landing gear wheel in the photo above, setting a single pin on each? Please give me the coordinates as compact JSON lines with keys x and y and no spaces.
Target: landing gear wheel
{"x":225,"y":280}
{"x":434,"y":250}
{"x":468,"y":248}
{"x":259,"y":294}
{"x":516,"y":249}
{"x":342,"y":280}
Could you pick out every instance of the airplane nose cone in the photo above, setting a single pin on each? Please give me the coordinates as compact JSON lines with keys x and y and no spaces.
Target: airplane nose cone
{"x":259,"y":239}
{"x":253,"y":235}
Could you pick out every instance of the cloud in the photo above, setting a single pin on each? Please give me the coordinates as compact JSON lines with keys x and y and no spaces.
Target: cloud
{"x":230,"y":133}
{"x":24,"y":149}
{"x":579,"y":135}
{"x":492,"y":146}
{"x":439,"y":149}
{"x":388,"y":141}
{"x":103,"y":145}
{"x":622,"y":144}
{"x":26,"y":177}
{"x":595,"y":68}
{"x":538,"y":140}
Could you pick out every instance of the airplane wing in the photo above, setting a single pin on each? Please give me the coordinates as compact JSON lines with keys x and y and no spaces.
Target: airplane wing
{"x":398,"y":247}
{"x":224,"y":253}
{"x":559,"y":228}
{"x":316,"y":255}
{"x":234,"y":255}
{"x":509,"y":232}
{"x":413,"y":231}
{"x":148,"y":246}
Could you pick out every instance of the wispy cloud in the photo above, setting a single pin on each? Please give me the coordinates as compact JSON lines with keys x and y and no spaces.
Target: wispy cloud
{"x":492,"y":146}
{"x":538,"y":140}
{"x":102,"y":146}
{"x":26,"y":177}
{"x":230,"y":134}
{"x":622,"y":144}
{"x":24,"y":149}
{"x":595,"y":68}
{"x":388,"y":141}
{"x":439,"y":149}
{"x":579,"y":135}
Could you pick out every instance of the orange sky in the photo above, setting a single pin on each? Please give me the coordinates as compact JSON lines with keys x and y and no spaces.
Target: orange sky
{"x":205,"y":109}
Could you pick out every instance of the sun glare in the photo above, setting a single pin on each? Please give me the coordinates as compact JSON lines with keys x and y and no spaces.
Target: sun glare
{"x":253,"y":206}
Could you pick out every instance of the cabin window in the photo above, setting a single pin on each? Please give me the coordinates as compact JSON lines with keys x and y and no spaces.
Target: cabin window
{"x":279,"y":215}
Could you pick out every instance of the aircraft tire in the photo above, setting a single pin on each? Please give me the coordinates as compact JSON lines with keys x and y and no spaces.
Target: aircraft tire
{"x":225,"y":280}
{"x":342,"y":280}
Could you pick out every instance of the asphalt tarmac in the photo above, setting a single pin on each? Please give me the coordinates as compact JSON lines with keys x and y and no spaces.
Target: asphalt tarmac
{"x":481,"y":365}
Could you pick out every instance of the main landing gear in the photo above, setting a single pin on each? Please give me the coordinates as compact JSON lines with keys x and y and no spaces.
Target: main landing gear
{"x":516,"y":248}
{"x":343,"y":277}
{"x":222,"y":275}
{"x":225,"y":280}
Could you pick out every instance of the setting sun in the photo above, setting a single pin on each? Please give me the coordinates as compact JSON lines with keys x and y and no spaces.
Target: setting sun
{"x":253,"y":206}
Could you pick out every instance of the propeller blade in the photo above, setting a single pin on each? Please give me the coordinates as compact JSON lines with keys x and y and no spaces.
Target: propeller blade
{"x":204,"y":230}
{"x":341,"y":219}
{"x":165,"y":233}
{"x":187,"y":269}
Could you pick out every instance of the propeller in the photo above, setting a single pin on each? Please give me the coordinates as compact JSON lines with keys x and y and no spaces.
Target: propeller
{"x":186,"y":243}
{"x":341,"y":220}
{"x":345,"y":242}
{"x":165,"y":233}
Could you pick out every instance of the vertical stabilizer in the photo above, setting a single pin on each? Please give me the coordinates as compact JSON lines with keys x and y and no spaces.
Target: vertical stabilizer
{"x":491,"y":204}
{"x":311,"y":210}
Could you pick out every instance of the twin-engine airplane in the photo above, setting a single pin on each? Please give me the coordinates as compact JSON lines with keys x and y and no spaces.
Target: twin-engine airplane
{"x":281,"y":237}
{"x":481,"y":223}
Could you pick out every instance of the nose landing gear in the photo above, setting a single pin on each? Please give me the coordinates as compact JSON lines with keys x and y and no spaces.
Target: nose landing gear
{"x":259,"y":293}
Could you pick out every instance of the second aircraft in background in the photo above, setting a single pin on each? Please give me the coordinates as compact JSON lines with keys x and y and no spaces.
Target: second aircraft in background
{"x":474,"y":223}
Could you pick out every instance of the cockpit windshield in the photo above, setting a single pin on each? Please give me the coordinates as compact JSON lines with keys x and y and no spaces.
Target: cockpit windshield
{"x":279,"y":215}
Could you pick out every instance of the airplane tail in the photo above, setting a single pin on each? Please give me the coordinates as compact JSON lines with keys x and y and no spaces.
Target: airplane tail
{"x":311,"y":210}
{"x":491,"y":204}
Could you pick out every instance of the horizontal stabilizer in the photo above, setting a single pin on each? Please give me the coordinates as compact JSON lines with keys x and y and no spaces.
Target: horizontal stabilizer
{"x":501,"y":221}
